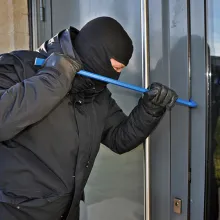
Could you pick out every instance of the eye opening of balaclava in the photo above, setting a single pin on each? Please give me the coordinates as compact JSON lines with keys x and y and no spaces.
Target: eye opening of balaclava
{"x":100,"y":40}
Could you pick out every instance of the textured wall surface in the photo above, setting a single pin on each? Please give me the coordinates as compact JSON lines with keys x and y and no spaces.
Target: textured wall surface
{"x":14,"y":33}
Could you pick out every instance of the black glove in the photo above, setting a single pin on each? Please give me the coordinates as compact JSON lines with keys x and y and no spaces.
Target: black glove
{"x":63,"y":64}
{"x":158,"y":99}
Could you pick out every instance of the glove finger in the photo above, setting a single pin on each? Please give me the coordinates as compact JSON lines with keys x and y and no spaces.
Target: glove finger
{"x":159,"y":87}
{"x":75,"y":63}
{"x":161,"y":99}
{"x":78,"y":66}
{"x":172,"y":101}
{"x":153,"y":93}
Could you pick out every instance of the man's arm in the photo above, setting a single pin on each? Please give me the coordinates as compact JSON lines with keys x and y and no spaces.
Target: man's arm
{"x":32,"y":99}
{"x":123,"y":133}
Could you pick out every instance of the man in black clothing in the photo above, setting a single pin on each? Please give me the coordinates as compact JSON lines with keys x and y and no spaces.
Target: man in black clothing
{"x":52,"y":121}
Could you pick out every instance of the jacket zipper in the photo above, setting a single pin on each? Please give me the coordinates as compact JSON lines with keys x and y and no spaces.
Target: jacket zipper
{"x":89,"y":122}
{"x":77,"y":131}
{"x":92,"y":136}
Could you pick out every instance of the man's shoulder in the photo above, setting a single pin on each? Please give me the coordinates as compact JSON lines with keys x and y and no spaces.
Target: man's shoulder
{"x":18,"y":65}
{"x":26,"y":55}
{"x":19,"y":57}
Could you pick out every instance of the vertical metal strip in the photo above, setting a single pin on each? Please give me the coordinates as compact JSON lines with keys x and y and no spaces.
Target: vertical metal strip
{"x":42,"y":11}
{"x":208,"y":112}
{"x":30,"y":24}
{"x":51,"y":17}
{"x":34,"y":24}
{"x":189,"y":97}
{"x":145,"y":80}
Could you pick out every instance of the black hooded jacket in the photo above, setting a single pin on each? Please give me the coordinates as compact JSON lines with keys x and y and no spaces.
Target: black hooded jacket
{"x":49,"y":136}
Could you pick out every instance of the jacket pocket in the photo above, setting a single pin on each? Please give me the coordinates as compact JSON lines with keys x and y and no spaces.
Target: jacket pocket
{"x":50,"y":208}
{"x":33,"y":199}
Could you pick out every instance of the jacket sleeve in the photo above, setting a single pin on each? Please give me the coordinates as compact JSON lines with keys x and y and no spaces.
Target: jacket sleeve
{"x":123,"y":133}
{"x":28,"y":101}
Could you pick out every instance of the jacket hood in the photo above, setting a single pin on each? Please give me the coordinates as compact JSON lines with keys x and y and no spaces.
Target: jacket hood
{"x":60,"y":43}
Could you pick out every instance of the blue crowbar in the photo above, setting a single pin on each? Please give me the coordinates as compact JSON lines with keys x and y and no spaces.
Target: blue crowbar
{"x":191,"y":103}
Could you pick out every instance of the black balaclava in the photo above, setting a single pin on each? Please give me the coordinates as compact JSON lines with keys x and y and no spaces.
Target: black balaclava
{"x":100,"y":40}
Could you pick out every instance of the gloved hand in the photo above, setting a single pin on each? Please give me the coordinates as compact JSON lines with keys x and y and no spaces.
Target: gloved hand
{"x":158,"y":99}
{"x":63,"y":64}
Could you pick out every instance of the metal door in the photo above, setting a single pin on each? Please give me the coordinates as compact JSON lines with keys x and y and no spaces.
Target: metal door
{"x":178,"y":59}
